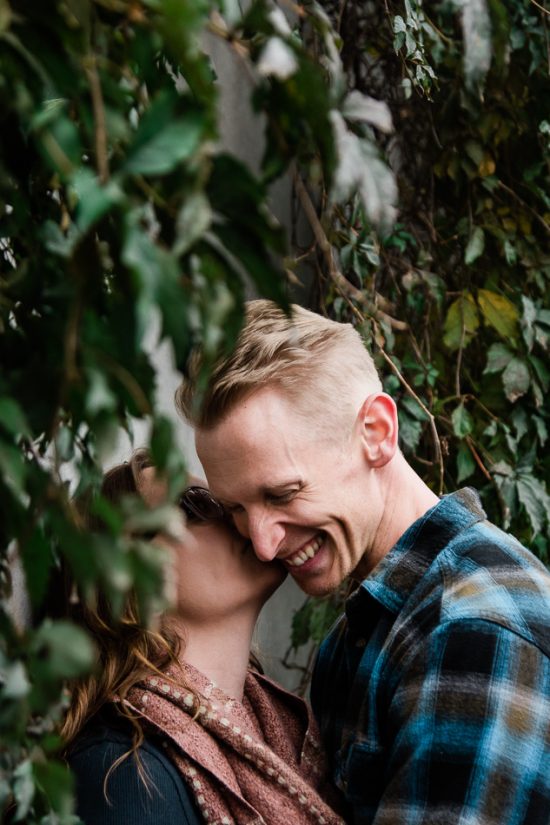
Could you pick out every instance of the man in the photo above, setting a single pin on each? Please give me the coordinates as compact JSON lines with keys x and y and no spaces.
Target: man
{"x":433,"y":690}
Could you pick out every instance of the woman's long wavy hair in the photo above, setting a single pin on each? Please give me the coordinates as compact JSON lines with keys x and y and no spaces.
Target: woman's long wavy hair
{"x":127,"y":650}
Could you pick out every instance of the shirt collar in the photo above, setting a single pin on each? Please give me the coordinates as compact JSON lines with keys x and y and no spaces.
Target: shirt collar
{"x":401,"y":569}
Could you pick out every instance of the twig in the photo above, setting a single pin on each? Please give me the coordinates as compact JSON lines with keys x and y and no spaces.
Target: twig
{"x":127,"y":380}
{"x":100,"y":128}
{"x":534,"y":212}
{"x":336,"y":276}
{"x":534,"y":2}
{"x":460,"y":348}
{"x":478,"y":460}
{"x":426,"y":411}
{"x":409,"y":389}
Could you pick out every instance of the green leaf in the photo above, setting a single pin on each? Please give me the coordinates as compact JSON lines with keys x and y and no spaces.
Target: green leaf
{"x":194,"y":218}
{"x":277,"y":60}
{"x":410,"y":431}
{"x":62,"y":650}
{"x":15,"y":684}
{"x":313,"y":621}
{"x":465,"y":463}
{"x":55,"y":780}
{"x":360,"y":107}
{"x":541,"y":428}
{"x":360,"y":170}
{"x":37,"y":561}
{"x":476,"y":27}
{"x":461,"y":323}
{"x":475,"y":246}
{"x":541,"y":371}
{"x":94,"y":199}
{"x":534,"y":497}
{"x":164,"y":149}
{"x":13,"y":467}
{"x":23,"y":789}
{"x":498,"y":357}
{"x":516,"y":379}
{"x":12,"y":418}
{"x":528,"y":319}
{"x":499,"y":312}
{"x":99,"y":397}
{"x":265,"y":274}
{"x":463,"y":423}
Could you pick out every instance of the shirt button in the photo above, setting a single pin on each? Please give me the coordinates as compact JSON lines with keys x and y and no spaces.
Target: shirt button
{"x":360,"y":643}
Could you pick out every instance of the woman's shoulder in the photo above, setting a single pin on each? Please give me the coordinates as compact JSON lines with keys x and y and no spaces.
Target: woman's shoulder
{"x":109,"y":797}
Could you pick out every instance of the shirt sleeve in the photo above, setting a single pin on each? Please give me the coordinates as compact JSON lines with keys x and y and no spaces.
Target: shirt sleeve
{"x":128,"y":801}
{"x":468,"y":735}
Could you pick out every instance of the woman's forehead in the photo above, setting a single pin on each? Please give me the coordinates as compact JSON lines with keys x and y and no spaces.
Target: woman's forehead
{"x":153,"y":488}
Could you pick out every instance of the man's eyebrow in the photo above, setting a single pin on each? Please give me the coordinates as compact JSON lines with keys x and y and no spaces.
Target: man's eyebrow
{"x":268,"y":489}
{"x":282,"y":485}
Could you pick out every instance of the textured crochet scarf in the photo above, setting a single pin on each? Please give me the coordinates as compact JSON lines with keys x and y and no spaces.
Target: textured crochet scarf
{"x":246,"y":763}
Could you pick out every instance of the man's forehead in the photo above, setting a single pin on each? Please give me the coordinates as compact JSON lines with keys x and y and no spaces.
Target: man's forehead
{"x":256,"y":450}
{"x":260,"y":421}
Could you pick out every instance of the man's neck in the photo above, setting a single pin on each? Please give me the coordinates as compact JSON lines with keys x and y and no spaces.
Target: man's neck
{"x":407,"y":498}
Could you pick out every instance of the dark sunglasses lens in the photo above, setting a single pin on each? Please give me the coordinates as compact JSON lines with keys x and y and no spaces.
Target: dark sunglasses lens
{"x":198,"y":503}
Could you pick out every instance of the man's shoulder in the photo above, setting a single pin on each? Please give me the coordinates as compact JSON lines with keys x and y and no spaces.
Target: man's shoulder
{"x":486,"y":574}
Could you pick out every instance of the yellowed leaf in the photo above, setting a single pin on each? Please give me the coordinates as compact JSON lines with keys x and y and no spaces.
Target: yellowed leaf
{"x":499,"y":312}
{"x":525,"y":224}
{"x":486,"y":167}
{"x":461,"y":322}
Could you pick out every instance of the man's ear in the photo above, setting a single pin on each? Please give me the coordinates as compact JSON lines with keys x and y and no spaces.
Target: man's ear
{"x":378,"y":428}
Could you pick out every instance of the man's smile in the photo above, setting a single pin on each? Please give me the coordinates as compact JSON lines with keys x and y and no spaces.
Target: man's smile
{"x":306,"y":552}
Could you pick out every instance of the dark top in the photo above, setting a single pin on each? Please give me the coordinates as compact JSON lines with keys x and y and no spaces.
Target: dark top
{"x":433,"y":690}
{"x":167,"y":799}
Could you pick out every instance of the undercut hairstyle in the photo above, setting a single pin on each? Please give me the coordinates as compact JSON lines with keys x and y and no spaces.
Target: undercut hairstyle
{"x":321,"y":365}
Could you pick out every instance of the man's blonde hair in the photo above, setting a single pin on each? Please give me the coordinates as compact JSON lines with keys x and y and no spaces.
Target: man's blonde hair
{"x":322,"y":365}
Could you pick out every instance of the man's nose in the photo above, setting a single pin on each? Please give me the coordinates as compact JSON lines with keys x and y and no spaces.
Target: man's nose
{"x":264,"y":531}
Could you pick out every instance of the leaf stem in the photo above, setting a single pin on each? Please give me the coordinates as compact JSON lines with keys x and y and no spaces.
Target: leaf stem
{"x":100,"y":128}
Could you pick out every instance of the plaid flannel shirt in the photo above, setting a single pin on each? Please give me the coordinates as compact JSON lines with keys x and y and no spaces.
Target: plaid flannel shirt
{"x":433,"y":690}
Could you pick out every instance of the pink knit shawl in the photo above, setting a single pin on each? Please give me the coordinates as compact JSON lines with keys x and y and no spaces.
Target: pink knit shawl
{"x":246,"y":764}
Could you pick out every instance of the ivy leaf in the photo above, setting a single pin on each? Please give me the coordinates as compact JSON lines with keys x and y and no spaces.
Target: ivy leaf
{"x":463,"y":423}
{"x":476,"y":27}
{"x":37,"y":561}
{"x":363,"y":108}
{"x":498,"y":357}
{"x":193,"y":220}
{"x":94,"y":199}
{"x":360,"y":170}
{"x":56,"y":781}
{"x":541,"y":371}
{"x":12,"y":417}
{"x":62,"y":650}
{"x":163,"y":138}
{"x":277,"y":60}
{"x":462,"y":313}
{"x":410,"y":431}
{"x":499,"y":312}
{"x":516,"y":379}
{"x":534,"y":497}
{"x":23,"y":789}
{"x":15,"y":684}
{"x":475,"y":246}
{"x":542,"y":431}
{"x":465,"y":463}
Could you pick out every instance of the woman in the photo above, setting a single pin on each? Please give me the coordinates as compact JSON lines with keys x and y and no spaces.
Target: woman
{"x":175,"y":726}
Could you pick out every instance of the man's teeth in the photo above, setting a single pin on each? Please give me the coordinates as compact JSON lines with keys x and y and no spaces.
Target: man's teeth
{"x":305,"y":553}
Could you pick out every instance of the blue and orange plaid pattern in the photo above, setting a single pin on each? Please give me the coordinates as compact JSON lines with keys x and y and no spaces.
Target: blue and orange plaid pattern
{"x":433,"y":690}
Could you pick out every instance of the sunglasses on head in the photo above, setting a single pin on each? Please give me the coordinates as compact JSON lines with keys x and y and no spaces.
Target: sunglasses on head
{"x":198,"y":503}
